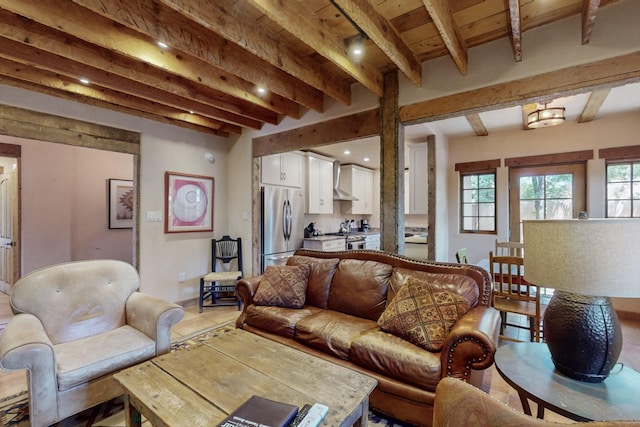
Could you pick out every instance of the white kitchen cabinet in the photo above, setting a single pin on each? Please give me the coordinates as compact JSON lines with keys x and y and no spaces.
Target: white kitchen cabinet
{"x":418,"y":179}
{"x":372,"y":241}
{"x":358,"y":182}
{"x":319,"y":194}
{"x":282,"y":169}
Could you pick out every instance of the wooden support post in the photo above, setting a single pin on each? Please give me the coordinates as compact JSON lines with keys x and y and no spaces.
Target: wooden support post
{"x":392,"y":168}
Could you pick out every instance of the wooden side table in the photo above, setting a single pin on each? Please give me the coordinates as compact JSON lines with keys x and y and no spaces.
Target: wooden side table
{"x":528,"y":368}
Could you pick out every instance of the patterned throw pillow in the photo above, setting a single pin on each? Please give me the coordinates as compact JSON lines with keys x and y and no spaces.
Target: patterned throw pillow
{"x":422,"y":314}
{"x":283,"y":286}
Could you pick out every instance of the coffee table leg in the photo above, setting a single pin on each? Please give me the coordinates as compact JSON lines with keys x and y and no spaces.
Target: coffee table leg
{"x":364,"y":414}
{"x":131,"y":414}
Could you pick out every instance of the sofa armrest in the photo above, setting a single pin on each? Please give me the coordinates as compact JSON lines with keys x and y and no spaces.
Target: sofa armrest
{"x":471,"y":343}
{"x":26,"y":345}
{"x":246,"y":289}
{"x":154,"y":317}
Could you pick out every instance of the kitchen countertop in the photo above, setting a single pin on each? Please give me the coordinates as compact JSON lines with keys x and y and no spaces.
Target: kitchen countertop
{"x":416,"y":238}
{"x":325,"y":237}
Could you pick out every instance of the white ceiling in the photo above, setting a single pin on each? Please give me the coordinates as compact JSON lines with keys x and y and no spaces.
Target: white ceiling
{"x":620,"y":100}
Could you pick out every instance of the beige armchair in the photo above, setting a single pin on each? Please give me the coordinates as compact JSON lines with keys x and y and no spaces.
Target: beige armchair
{"x":76,"y":324}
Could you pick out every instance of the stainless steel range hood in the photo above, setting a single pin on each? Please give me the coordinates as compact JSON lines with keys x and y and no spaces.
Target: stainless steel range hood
{"x":339,"y":194}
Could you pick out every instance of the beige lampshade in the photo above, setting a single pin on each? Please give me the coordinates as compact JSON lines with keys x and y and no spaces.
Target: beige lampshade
{"x":599,"y":257}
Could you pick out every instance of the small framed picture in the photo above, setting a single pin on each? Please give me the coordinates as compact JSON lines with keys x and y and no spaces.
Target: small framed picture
{"x":121,"y":200}
{"x":188,"y":203}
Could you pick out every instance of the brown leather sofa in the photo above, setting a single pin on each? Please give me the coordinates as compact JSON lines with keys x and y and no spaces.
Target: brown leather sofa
{"x":346,"y":294}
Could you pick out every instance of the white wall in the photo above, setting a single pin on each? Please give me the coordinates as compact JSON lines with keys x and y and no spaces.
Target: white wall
{"x":605,"y":132}
{"x":163,"y":148}
{"x":64,"y":203}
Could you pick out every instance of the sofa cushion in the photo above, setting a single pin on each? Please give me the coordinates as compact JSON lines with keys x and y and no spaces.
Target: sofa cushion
{"x":359,"y":288}
{"x":97,"y":355}
{"x":277,"y":320}
{"x":423,"y":314}
{"x":458,"y":283}
{"x":283,"y":286}
{"x":396,"y":358}
{"x":332,"y":332}
{"x":320,"y":277}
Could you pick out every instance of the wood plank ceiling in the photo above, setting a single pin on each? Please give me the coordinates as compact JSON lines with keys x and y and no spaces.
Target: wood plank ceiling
{"x":219,"y":55}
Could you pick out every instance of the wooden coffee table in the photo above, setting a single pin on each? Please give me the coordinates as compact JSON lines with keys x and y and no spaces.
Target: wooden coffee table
{"x":200,"y":386}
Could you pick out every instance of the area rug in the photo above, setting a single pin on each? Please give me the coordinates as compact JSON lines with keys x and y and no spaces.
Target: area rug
{"x":14,"y":410}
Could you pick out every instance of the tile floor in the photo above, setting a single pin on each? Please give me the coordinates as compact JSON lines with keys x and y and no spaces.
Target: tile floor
{"x":193,"y":322}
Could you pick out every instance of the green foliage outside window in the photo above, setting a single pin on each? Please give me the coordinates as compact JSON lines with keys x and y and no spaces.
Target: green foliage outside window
{"x":478,"y":207}
{"x":546,"y":196}
{"x":623,"y":190}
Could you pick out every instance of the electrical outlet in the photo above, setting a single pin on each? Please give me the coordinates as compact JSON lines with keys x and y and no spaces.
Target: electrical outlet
{"x":182,"y":277}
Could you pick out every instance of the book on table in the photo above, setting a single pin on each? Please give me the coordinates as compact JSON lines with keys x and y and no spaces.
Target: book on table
{"x":258,"y":411}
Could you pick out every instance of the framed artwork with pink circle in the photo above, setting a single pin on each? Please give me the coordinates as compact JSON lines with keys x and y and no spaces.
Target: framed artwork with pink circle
{"x":188,"y":203}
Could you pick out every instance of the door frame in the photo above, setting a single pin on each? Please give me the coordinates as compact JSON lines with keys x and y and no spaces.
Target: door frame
{"x":13,"y":151}
{"x":28,"y":124}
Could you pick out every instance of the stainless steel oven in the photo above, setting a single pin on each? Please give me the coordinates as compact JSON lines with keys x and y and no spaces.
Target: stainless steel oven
{"x":355,"y":242}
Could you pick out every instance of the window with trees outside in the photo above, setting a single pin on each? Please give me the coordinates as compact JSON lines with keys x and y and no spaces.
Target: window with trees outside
{"x":546,"y":196}
{"x":478,"y":207}
{"x":623,"y":190}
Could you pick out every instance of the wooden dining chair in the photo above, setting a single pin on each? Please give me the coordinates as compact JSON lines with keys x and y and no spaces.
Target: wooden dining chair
{"x":513,"y":294}
{"x":226,"y":269}
{"x":509,"y":249}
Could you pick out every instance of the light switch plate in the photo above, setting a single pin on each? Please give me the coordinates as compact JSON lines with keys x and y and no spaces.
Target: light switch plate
{"x":154,"y":216}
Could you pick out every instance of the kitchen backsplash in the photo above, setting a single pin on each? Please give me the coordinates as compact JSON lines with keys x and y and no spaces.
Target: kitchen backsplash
{"x":331,"y":223}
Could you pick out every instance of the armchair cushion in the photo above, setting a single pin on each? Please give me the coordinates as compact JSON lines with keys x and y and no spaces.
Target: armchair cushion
{"x":283,"y":286}
{"x":422,"y":314}
{"x":92,"y":357}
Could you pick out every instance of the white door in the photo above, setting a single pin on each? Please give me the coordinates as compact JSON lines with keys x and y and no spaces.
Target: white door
{"x":9,"y":230}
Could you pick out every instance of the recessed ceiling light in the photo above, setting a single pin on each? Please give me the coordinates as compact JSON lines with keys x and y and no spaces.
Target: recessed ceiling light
{"x":261,"y":90}
{"x":356,"y":47}
{"x":84,"y":81}
{"x":191,"y":112}
{"x":163,"y":45}
{"x":347,"y":152}
{"x":366,"y":159}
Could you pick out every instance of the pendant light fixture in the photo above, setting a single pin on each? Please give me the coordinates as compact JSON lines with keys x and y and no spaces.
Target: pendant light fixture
{"x":547,"y":116}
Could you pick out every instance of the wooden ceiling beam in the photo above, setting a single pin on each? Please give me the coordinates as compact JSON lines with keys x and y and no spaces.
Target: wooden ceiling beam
{"x":476,"y":124}
{"x":31,"y":33}
{"x":605,"y":73}
{"x":77,"y":97}
{"x":99,"y":31}
{"x":26,"y":54}
{"x":164,"y":24}
{"x":596,"y":98}
{"x":225,"y":19}
{"x":516,"y":29}
{"x":45,"y":78}
{"x":346,"y":128}
{"x":384,"y":34}
{"x":444,"y":21}
{"x":317,"y":35}
{"x":589,"y":13}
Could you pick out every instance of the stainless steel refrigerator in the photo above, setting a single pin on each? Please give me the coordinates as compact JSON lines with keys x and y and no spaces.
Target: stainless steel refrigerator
{"x":281,"y":224}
